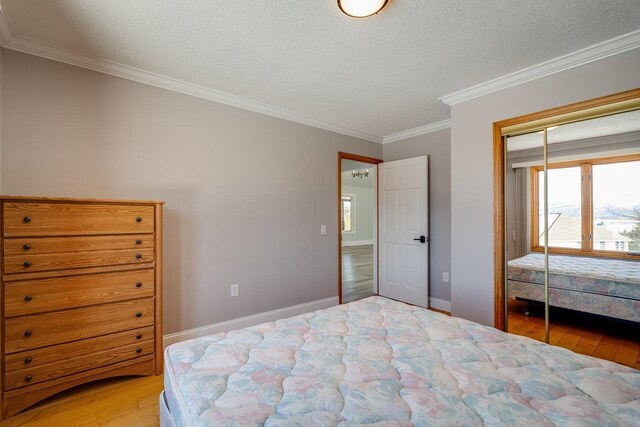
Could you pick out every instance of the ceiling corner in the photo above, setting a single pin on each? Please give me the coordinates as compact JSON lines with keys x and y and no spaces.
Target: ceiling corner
{"x":6,"y":31}
{"x":574,"y":59}
{"x":410,"y":133}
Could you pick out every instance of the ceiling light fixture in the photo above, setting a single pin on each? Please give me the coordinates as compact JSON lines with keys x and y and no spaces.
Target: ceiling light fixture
{"x":360,"y":174}
{"x":361,"y":8}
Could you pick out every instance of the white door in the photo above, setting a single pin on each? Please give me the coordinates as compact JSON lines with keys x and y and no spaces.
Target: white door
{"x":402,"y":194}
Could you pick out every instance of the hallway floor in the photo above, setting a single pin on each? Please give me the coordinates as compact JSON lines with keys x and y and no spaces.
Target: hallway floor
{"x":357,"y":272}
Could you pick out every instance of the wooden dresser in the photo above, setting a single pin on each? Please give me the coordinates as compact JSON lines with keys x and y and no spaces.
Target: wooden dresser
{"x":81,"y":294}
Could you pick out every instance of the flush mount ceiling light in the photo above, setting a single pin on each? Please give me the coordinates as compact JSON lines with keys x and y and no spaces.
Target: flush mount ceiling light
{"x":361,"y":8}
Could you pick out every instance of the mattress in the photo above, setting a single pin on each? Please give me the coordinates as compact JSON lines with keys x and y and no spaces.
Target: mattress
{"x":602,"y":276}
{"x":382,"y":362}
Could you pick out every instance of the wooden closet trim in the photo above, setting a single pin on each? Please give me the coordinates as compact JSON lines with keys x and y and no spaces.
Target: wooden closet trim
{"x":498,"y":184}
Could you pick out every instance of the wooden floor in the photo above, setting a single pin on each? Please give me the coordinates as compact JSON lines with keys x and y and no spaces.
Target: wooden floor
{"x":594,"y":336}
{"x":357,"y":272}
{"x":126,"y":401}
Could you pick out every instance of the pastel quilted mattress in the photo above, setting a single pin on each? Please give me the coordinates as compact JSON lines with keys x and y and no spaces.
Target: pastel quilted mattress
{"x":381,"y":362}
{"x":602,"y":276}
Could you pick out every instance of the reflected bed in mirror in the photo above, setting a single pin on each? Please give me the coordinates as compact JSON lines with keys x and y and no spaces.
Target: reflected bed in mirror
{"x":602,"y":286}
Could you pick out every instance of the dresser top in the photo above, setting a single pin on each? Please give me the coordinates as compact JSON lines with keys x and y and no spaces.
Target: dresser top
{"x":77,"y":200}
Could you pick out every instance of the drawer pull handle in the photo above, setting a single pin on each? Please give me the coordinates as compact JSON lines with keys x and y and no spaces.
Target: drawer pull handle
{"x":28,"y":298}
{"x":138,"y":256}
{"x":27,"y":219}
{"x":26,"y":247}
{"x":28,"y":378}
{"x":139,"y":219}
{"x":27,"y":264}
{"x":27,"y":334}
{"x":139,"y":285}
{"x":139,"y":336}
{"x":28,"y":360}
{"x":138,"y":314}
{"x":138,"y":242}
{"x":138,"y":350}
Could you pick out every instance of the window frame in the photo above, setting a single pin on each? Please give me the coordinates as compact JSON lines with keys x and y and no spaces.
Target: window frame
{"x":587,"y":220}
{"x":353,"y":213}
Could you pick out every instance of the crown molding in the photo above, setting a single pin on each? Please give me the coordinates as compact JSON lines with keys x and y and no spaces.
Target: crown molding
{"x":410,"y":133}
{"x":42,"y":50}
{"x":6,"y":31}
{"x":580,"y":57}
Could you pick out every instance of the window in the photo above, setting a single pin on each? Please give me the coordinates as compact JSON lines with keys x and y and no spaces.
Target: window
{"x":616,"y":203}
{"x":348,"y":213}
{"x":594,"y":206}
{"x":565,"y":207}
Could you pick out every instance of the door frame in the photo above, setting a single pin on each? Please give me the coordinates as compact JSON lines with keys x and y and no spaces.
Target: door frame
{"x":363,"y":159}
{"x":499,"y":221}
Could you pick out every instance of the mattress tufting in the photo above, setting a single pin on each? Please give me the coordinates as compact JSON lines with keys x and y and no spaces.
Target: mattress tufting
{"x":382,"y":362}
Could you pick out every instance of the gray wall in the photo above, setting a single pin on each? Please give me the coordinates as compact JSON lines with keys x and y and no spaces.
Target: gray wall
{"x":245,"y":193}
{"x":437,"y":145}
{"x":472,"y":284}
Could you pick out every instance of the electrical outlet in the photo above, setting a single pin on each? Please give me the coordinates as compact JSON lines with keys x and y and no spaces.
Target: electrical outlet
{"x":234,"y":290}
{"x":445,"y":277}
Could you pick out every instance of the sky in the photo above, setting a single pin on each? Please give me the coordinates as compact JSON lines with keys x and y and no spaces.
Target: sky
{"x":614,"y":184}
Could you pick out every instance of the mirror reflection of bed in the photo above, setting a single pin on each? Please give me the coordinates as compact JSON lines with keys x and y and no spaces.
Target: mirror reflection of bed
{"x":593,"y":225}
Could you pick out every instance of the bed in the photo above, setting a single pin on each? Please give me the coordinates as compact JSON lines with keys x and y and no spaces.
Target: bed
{"x":603,"y":286}
{"x":385,"y":363}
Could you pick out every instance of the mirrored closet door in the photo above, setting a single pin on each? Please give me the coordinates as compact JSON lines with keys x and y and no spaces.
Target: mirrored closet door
{"x":572,"y":231}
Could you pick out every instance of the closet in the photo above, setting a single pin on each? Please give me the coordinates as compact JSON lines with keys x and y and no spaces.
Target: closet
{"x":568,"y":223}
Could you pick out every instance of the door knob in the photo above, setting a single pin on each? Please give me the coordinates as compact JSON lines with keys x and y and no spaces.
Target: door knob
{"x":422,"y":239}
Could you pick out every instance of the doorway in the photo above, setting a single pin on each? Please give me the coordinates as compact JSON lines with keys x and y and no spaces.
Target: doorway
{"x":383,"y":243}
{"x":357,"y":220}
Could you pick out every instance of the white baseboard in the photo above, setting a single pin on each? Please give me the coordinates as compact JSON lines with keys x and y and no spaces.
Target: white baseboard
{"x":244,"y":322}
{"x":357,"y":243}
{"x":440,"y":304}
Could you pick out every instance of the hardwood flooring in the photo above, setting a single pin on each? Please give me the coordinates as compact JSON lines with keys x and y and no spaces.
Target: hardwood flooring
{"x":357,"y":272}
{"x":117,"y":402}
{"x":594,"y":336}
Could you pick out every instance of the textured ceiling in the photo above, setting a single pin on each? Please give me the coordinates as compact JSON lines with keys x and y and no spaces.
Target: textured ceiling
{"x":379,"y":75}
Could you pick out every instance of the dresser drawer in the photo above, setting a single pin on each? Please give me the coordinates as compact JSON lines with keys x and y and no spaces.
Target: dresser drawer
{"x":58,"y":353}
{"x":25,"y":246}
{"x":40,"y":330}
{"x":87,"y":359}
{"x":48,"y":262}
{"x":37,"y":296}
{"x":58,"y":219}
